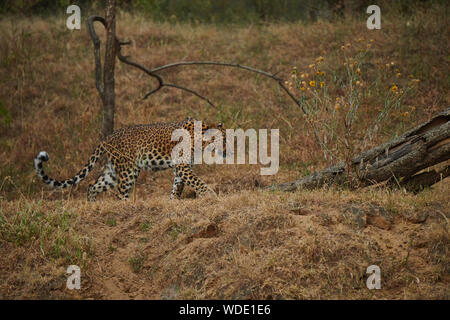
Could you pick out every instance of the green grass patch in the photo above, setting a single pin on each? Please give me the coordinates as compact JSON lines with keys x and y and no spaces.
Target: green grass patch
{"x":52,"y":232}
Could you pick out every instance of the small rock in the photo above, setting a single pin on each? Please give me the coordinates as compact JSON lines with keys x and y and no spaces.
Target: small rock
{"x":210,"y":231}
{"x":379,"y":222}
{"x":379,"y":217}
{"x":355,"y":216}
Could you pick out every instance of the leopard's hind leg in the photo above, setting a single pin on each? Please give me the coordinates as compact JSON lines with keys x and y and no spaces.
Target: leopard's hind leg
{"x":104,"y":182}
{"x":127,"y":179}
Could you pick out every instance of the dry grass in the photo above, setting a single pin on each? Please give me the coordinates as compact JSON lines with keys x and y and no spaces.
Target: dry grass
{"x":246,"y":244}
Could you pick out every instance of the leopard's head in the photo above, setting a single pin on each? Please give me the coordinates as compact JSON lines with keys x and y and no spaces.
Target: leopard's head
{"x":209,"y":132}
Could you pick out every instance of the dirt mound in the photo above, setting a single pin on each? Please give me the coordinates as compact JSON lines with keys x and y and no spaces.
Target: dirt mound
{"x":253,"y":245}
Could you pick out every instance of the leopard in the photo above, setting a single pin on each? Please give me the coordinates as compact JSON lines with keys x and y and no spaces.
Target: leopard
{"x":131,"y":149}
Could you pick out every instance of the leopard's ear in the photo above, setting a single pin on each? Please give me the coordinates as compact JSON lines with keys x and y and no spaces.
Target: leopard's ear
{"x":188,"y":123}
{"x":204,"y":126}
{"x":220,"y":125}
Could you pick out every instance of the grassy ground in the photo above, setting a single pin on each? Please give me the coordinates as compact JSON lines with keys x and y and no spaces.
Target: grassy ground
{"x":247,"y":244}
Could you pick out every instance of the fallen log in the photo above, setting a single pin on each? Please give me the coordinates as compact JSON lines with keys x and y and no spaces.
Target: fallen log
{"x":398,"y":161}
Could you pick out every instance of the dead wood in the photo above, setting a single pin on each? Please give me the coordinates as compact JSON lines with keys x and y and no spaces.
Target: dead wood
{"x":398,"y":161}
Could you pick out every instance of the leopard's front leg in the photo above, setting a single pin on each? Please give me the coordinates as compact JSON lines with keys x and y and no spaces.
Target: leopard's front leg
{"x":177,"y":188}
{"x":184,"y":172}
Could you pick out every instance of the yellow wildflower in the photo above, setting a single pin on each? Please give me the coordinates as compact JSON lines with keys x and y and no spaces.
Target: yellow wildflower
{"x":322,"y":84}
{"x":394,"y":88}
{"x":312,"y":83}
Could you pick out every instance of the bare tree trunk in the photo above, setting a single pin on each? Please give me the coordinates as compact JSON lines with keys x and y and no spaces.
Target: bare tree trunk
{"x":397,"y":161}
{"x":108,"y":73}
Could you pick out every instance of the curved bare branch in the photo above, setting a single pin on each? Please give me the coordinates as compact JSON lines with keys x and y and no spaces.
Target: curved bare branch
{"x":224,"y":64}
{"x":161,"y":83}
{"x":98,"y":65}
{"x":126,"y":60}
{"x":190,"y":91}
{"x":235,"y":65}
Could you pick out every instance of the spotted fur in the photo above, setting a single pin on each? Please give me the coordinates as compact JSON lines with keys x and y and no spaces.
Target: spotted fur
{"x":130,"y":150}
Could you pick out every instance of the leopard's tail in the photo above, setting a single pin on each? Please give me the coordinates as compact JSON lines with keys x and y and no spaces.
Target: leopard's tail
{"x":81,"y":175}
